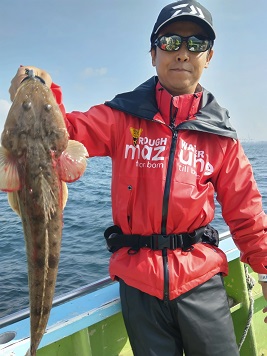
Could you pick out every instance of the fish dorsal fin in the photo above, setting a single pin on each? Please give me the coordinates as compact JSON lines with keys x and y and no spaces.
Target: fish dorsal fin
{"x":72,"y":162}
{"x":14,"y":202}
{"x":9,"y":177}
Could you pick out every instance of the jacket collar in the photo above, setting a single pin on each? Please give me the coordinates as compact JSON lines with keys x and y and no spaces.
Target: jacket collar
{"x":142,"y":103}
{"x":176,"y":109}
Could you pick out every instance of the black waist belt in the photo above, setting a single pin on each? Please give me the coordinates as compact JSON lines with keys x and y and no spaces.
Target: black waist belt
{"x":116,"y":239}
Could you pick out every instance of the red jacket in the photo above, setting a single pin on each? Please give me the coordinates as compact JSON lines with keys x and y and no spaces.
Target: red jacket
{"x":169,"y":157}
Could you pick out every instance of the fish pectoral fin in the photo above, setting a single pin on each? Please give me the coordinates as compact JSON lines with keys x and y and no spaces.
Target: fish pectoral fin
{"x":64,"y":194}
{"x":9,"y":176}
{"x":72,"y":162}
{"x":14,"y":202}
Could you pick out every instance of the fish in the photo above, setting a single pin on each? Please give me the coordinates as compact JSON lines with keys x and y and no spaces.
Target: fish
{"x":37,"y":159}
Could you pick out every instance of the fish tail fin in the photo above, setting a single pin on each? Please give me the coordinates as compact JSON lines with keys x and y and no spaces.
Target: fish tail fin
{"x":28,"y":353}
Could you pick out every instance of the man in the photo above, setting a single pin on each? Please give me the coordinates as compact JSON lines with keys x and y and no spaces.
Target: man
{"x":172,"y":147}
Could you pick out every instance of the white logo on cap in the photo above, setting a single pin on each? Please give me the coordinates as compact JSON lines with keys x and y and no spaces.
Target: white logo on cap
{"x":194,"y":10}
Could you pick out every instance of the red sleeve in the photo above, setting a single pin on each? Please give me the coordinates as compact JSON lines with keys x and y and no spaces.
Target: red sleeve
{"x":242,"y":209}
{"x":94,"y":128}
{"x":56,"y":90}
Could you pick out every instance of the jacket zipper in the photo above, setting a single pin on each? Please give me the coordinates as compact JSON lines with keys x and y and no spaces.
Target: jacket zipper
{"x":166,"y":197}
{"x":130,"y":189}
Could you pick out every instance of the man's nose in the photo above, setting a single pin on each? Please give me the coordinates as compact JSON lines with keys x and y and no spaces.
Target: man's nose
{"x":182,"y":53}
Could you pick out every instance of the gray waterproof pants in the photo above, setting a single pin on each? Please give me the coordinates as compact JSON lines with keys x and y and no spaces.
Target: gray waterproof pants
{"x":197,"y":323}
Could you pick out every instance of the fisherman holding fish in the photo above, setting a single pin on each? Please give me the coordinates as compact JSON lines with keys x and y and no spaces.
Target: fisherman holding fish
{"x":172,"y":147}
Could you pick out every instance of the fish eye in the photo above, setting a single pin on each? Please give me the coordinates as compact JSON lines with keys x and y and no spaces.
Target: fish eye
{"x":48,"y":107}
{"x":27,"y":105}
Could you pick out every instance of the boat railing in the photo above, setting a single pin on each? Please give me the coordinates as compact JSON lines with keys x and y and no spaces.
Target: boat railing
{"x":25,"y":313}
{"x":88,"y":288}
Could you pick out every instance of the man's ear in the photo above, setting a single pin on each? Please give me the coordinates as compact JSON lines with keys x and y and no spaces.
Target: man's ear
{"x":153,"y":56}
{"x":209,"y":56}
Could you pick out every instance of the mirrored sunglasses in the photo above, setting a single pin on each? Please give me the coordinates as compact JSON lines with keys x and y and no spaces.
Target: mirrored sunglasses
{"x":195,"y":43}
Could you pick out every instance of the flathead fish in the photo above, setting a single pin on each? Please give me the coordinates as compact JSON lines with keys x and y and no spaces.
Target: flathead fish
{"x":36,"y":159}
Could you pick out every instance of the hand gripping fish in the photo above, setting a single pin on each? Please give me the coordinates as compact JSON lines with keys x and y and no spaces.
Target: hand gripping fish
{"x":36,"y":159}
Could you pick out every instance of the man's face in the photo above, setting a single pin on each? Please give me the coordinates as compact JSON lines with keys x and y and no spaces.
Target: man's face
{"x":179,"y":71}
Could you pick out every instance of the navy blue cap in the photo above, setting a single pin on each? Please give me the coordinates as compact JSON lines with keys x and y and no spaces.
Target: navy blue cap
{"x":183,"y":10}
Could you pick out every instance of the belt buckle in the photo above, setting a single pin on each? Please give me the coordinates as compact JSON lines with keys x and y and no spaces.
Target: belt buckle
{"x":159,"y":242}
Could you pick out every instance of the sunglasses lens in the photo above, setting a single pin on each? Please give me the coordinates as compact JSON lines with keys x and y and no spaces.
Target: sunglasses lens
{"x":195,"y":44}
{"x":169,"y":43}
{"x":173,"y":43}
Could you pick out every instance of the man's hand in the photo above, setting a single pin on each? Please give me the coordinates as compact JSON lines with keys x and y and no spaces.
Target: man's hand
{"x":264,"y":292}
{"x":21,"y":74}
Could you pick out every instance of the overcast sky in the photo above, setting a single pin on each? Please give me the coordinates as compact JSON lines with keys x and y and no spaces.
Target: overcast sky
{"x":95,"y":49}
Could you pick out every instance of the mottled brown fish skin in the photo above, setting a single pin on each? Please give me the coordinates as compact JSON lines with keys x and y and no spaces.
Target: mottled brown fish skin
{"x":36,"y":135}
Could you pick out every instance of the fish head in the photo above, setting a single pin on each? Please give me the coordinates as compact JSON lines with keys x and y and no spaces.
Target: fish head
{"x":34,"y":115}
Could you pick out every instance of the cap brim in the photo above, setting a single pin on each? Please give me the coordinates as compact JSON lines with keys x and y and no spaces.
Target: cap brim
{"x":201,"y":22}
